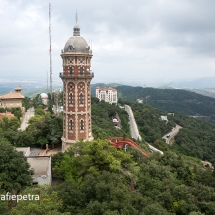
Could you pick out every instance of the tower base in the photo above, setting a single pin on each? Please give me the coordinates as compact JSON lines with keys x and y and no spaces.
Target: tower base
{"x":67,"y":143}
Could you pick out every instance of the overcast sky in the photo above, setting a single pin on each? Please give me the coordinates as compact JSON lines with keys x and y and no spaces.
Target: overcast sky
{"x":132,"y":41}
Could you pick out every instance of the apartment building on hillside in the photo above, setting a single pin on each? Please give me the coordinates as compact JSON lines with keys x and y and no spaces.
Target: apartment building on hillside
{"x":107,"y":94}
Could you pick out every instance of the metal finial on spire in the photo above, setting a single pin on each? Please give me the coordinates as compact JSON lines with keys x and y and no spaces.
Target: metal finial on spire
{"x":76,"y":17}
{"x":76,"y":28}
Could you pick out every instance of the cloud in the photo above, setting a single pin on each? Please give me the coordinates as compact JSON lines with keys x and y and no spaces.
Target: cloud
{"x":141,"y":40}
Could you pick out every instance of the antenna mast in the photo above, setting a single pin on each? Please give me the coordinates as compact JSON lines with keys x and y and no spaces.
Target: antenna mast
{"x":47,"y":81}
{"x":50,"y":48}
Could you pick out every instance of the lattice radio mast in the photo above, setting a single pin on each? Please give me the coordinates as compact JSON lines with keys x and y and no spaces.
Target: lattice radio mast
{"x":50,"y":48}
{"x":47,"y":81}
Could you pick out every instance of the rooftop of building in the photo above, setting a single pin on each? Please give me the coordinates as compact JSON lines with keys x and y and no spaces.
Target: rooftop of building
{"x":18,"y":88}
{"x":8,"y":114}
{"x":23,"y":149}
{"x":106,"y":89}
{"x":44,"y":96}
{"x":13,"y":95}
{"x":40,"y":164}
{"x":76,"y":43}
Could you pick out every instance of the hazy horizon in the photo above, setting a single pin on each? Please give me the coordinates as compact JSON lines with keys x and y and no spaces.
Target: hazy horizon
{"x":146,"y":41}
{"x":39,"y":82}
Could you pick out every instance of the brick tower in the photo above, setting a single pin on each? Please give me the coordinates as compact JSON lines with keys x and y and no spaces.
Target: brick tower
{"x":76,"y":77}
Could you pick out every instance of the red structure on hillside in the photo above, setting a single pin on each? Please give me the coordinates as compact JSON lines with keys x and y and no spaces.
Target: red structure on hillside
{"x":120,"y":143}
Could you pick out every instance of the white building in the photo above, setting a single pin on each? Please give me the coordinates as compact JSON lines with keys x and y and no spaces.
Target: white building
{"x":41,"y":165}
{"x":164,"y":118}
{"x":106,"y":94}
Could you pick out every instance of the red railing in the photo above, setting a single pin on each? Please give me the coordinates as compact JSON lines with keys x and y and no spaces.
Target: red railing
{"x":120,"y":142}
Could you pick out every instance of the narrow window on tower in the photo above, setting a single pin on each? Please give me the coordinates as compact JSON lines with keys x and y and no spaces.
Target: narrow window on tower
{"x":70,"y":98}
{"x":70,"y":70}
{"x":81,"y":98}
{"x":71,"y":125}
{"x":82,"y":125}
{"x":64,"y":125}
{"x":81,"y":71}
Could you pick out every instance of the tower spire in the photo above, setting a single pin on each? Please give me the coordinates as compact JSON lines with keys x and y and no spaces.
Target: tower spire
{"x":76,"y":28}
{"x":76,"y":17}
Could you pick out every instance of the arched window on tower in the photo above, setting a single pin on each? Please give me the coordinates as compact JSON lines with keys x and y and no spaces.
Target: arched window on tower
{"x":71,"y":125}
{"x":81,"y":71}
{"x":82,"y":125}
{"x":70,"y":48}
{"x":70,"y":98}
{"x":81,"y":99}
{"x":70,"y":70}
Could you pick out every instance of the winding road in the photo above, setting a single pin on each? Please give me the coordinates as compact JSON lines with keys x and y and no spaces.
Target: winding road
{"x":28,"y":114}
{"x":134,"y":129}
{"x":172,"y":133}
{"x":133,"y":125}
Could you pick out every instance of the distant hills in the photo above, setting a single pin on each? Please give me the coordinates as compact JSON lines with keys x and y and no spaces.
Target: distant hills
{"x":33,"y":93}
{"x":173,"y":100}
{"x":167,"y":99}
{"x":102,"y":85}
{"x":187,"y":102}
{"x":28,"y":85}
{"x":199,"y":83}
{"x":31,"y":89}
{"x":205,"y":92}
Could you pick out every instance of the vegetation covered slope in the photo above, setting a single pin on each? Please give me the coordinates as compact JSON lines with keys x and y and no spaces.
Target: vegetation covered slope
{"x":172,"y":100}
{"x":195,"y":139}
{"x":98,"y":179}
{"x":103,"y":180}
{"x":102,"y":120}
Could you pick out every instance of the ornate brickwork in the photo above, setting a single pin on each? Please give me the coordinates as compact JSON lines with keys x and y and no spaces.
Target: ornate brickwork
{"x":76,"y":77}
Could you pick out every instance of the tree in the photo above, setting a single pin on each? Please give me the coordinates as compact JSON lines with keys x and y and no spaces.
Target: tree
{"x":39,"y":128}
{"x":4,"y":123}
{"x":155,"y":208}
{"x":9,"y":123}
{"x":48,"y":202}
{"x":56,"y":129}
{"x":27,"y":103}
{"x":106,"y":193}
{"x":3,"y":204}
{"x":94,"y":157}
{"x":35,"y":101}
{"x":25,"y":139}
{"x":15,"y":173}
{"x":72,"y":197}
{"x":14,"y":123}
{"x":17,"y":112}
{"x":40,"y":110}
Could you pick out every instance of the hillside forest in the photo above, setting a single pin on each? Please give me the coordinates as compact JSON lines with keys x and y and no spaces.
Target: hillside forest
{"x":104,"y":180}
{"x":173,"y":100}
